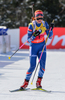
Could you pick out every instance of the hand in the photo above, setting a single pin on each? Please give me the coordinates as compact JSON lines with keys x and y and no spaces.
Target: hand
{"x":52,"y":25}
{"x":31,"y":39}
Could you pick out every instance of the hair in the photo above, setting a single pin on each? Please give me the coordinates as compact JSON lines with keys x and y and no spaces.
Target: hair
{"x":33,"y":18}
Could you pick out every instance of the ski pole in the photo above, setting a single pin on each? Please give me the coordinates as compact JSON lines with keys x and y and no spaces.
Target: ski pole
{"x":40,"y":56}
{"x":17,"y":49}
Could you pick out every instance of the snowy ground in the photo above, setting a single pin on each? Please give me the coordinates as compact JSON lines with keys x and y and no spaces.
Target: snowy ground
{"x":12,"y":74}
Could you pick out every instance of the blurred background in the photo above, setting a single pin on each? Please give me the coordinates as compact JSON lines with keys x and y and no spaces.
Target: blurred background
{"x":16,"y":13}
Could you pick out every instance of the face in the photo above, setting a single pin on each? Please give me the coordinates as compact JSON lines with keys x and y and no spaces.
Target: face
{"x":39,"y":19}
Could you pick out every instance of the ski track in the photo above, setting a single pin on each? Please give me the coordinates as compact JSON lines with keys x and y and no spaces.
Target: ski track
{"x":13,"y":71}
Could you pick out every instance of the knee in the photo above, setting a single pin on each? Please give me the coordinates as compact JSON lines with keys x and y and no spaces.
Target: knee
{"x":31,"y":69}
{"x":42,"y":63}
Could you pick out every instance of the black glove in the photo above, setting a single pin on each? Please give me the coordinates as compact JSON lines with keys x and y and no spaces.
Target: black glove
{"x":52,"y":25}
{"x":36,"y":33}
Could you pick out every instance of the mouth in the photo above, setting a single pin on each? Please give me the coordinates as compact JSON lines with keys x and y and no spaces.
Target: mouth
{"x":39,"y":20}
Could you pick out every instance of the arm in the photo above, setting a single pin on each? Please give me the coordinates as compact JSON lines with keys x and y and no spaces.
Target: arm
{"x":30,"y":34}
{"x":30,"y":31}
{"x":47,"y":31}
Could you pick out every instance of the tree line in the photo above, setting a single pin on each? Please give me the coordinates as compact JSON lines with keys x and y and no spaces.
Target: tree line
{"x":16,"y":13}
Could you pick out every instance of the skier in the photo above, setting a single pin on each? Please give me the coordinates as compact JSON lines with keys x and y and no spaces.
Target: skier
{"x":36,"y":32}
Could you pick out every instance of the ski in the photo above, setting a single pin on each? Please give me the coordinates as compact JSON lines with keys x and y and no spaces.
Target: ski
{"x":40,"y":89}
{"x":26,"y":89}
{"x":16,"y":90}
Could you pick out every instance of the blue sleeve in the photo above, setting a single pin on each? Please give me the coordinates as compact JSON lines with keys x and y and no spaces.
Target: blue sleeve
{"x":47,"y":31}
{"x":30,"y":31}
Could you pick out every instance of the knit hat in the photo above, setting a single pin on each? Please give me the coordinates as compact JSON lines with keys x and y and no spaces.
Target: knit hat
{"x":38,"y":13}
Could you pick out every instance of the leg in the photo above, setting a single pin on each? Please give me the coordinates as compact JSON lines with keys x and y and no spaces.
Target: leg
{"x":42,"y":63}
{"x":33,"y":57}
{"x":42,"y":68}
{"x":32,"y":67}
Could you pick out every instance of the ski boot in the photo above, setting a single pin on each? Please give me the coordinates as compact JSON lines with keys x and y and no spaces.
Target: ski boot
{"x":38,"y":82}
{"x":25,"y":84}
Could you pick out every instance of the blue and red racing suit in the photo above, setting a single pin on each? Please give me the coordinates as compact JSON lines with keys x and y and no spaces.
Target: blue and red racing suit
{"x":37,"y":46}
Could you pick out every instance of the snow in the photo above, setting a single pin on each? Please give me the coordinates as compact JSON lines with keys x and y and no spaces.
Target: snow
{"x":13,"y":71}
